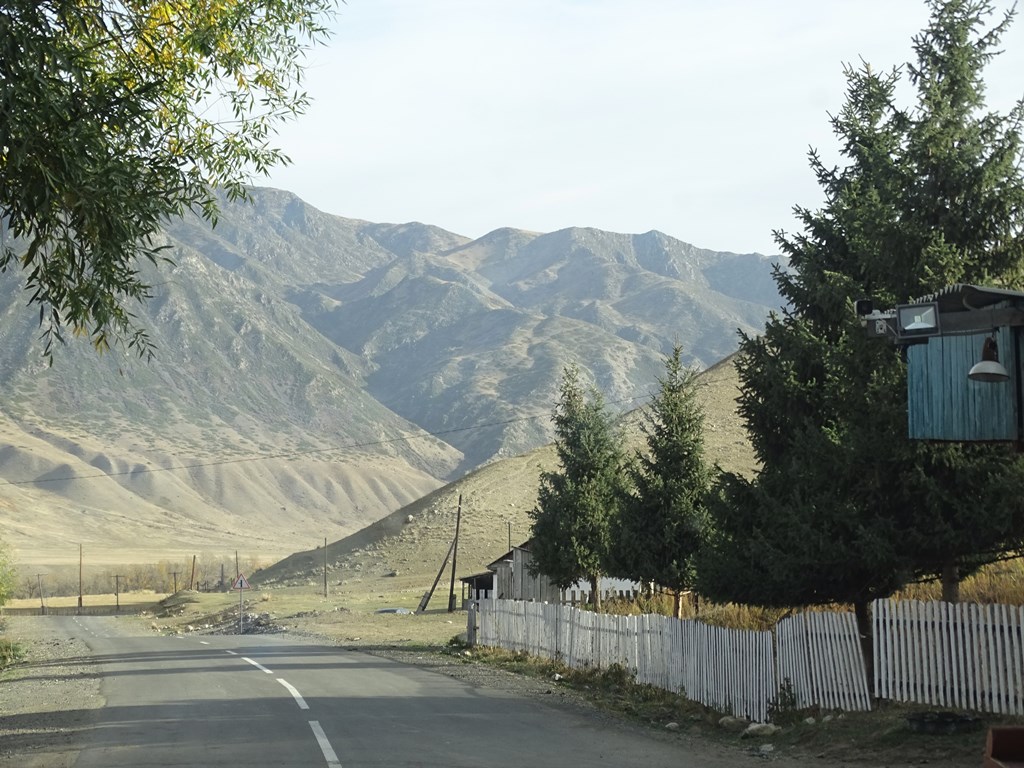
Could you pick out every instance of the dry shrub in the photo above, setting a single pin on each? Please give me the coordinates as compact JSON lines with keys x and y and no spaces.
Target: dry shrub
{"x":730,"y":615}
{"x":10,"y":652}
{"x":1001,"y":582}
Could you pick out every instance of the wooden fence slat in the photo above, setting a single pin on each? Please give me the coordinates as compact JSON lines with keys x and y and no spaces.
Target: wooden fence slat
{"x":972,"y":656}
{"x":929,"y":655}
{"x":944,"y":671}
{"x":882,"y":651}
{"x":992,"y":673}
{"x":1017,"y":654}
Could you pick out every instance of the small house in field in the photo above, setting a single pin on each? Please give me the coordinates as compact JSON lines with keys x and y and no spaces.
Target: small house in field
{"x":479,"y":586}
{"x":512,"y":580}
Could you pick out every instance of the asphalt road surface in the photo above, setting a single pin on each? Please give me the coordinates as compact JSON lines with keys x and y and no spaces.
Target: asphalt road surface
{"x":267,"y":700}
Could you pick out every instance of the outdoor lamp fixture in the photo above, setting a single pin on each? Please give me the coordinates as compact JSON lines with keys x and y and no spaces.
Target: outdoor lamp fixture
{"x":989,"y":369}
{"x":917,"y":320}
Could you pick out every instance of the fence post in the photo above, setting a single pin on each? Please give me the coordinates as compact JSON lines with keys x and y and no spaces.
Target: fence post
{"x":471,"y":624}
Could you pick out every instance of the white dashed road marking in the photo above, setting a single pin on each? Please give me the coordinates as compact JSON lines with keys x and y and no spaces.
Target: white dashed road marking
{"x":295,"y":693}
{"x":257,"y":665}
{"x":325,"y":745}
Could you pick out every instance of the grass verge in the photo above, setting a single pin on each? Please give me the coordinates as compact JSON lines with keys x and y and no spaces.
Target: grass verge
{"x":882,"y":736}
{"x":11,"y":652}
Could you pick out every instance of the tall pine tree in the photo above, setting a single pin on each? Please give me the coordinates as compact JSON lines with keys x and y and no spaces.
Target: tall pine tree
{"x":576,"y":503}
{"x":663,"y":521}
{"x":845,"y":507}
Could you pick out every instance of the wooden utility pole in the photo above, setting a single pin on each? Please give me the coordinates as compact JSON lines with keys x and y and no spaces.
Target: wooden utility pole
{"x":325,"y":566}
{"x":117,"y":590}
{"x":39,"y":583}
{"x":455,"y":556}
{"x":79,"y":578}
{"x":192,"y":578}
{"x":440,"y":573}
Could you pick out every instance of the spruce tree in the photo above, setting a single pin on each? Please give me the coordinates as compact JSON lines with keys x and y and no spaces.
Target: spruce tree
{"x":662,"y":522}
{"x":577,"y":502}
{"x":845,"y":507}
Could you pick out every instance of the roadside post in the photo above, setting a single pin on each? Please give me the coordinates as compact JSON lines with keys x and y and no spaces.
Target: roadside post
{"x":240,"y":584}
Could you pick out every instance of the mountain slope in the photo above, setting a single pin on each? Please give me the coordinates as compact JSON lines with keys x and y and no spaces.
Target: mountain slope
{"x":496,"y":500}
{"x":314,"y":373}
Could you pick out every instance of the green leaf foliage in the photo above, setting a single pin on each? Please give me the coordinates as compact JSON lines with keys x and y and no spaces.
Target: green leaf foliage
{"x":663,"y":521}
{"x":845,"y":507}
{"x":115,"y":117}
{"x":576,"y":503}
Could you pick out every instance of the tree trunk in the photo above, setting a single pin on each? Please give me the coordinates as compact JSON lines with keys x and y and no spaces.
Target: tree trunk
{"x":860,"y":610}
{"x":950,"y":583}
{"x":595,"y":592}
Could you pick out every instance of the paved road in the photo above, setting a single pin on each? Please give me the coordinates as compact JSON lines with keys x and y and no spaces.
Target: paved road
{"x":265,"y":700}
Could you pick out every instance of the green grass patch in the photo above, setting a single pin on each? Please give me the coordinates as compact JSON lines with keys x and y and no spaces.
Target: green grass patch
{"x":10,"y":653}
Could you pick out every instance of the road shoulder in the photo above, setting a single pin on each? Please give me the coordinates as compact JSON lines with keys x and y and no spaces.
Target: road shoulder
{"x":47,"y":699}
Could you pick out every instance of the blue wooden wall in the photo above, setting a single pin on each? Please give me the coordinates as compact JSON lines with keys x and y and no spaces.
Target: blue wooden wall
{"x":943,"y":404}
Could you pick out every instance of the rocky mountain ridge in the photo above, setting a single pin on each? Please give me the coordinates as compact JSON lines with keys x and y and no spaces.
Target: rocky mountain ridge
{"x":314,"y":373}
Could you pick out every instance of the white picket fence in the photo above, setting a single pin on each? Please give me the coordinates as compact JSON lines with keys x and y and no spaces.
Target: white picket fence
{"x":961,"y":655}
{"x":966,"y":656}
{"x":730,"y":670}
{"x":819,"y":655}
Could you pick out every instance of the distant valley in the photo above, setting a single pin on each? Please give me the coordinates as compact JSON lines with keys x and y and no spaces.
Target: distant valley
{"x":315,"y":373}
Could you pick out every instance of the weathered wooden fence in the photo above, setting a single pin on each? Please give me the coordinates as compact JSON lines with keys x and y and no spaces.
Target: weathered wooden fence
{"x":819,"y":656}
{"x":967,"y":656}
{"x":730,"y":670}
{"x":961,"y":655}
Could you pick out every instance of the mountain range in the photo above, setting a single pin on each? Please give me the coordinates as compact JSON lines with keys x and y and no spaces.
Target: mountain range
{"x":314,"y":373}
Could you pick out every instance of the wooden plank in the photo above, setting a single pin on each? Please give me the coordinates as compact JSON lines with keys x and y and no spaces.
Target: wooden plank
{"x":916,"y":652}
{"x":878,"y":647}
{"x":972,"y":655}
{"x":992,"y":676}
{"x":844,"y":663}
{"x":946,"y":668}
{"x":945,"y":406}
{"x":1002,"y":651}
{"x":883,"y":650}
{"x":960,"y":656}
{"x":1016,"y":652}
{"x":930,"y":653}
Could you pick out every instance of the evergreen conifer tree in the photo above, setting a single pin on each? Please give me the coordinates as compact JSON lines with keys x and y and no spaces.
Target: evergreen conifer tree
{"x":663,"y":521}
{"x":577,"y":502}
{"x":845,"y":507}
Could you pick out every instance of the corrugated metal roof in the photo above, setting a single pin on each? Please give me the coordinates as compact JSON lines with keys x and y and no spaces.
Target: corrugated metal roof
{"x":962,"y":297}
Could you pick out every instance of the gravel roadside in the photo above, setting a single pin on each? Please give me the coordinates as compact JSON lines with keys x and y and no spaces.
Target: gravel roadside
{"x":47,"y":698}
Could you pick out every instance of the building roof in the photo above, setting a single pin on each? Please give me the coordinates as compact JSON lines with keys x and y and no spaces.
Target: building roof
{"x":507,"y":557}
{"x":962,"y":297}
{"x":486,"y":575}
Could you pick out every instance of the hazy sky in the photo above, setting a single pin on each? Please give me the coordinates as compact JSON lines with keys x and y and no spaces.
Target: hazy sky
{"x":692,"y":117}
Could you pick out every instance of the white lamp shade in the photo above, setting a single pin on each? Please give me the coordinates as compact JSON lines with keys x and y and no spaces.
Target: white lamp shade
{"x":988,"y":370}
